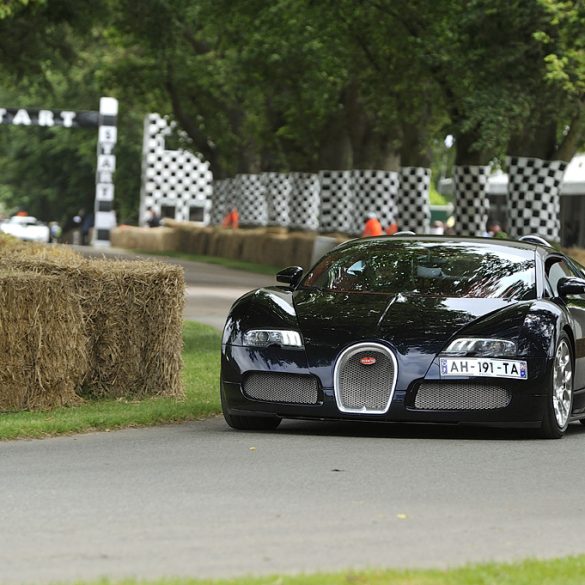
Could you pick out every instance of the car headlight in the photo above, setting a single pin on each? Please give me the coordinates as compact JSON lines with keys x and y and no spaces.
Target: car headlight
{"x":482,"y":347}
{"x":266,"y":337}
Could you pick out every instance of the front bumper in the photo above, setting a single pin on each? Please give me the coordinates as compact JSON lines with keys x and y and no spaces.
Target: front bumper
{"x":526,"y":406}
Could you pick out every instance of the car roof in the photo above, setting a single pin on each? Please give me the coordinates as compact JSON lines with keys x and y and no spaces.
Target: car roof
{"x":496,"y":243}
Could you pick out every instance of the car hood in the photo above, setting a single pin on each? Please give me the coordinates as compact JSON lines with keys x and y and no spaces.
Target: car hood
{"x":417,"y":327}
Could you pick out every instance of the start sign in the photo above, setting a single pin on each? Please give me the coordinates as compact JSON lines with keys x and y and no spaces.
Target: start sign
{"x":105,"y":121}
{"x":64,"y":118}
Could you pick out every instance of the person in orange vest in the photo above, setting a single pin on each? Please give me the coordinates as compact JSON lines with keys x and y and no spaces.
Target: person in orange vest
{"x":232,"y":219}
{"x":372,"y":226}
{"x":392,"y":229}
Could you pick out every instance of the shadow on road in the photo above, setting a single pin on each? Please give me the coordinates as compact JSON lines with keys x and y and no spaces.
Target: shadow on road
{"x":410,"y":431}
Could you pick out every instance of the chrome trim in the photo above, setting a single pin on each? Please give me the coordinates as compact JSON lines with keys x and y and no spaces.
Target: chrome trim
{"x":535,"y":239}
{"x":348,"y":352}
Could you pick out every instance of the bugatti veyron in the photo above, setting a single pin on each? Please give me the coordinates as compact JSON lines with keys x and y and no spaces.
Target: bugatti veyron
{"x":406,"y":328}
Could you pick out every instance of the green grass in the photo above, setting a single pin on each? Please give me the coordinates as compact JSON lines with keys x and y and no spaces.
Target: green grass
{"x":567,"y":571}
{"x":226,"y":262}
{"x":201,"y":375}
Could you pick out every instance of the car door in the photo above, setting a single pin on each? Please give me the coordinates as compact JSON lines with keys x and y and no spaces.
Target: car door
{"x":557,"y":267}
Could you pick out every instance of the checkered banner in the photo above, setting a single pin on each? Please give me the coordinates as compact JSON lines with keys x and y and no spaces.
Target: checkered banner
{"x":251,"y":200}
{"x":277,"y":192}
{"x":304,"y":201}
{"x":533,"y":197}
{"x":173,"y":179}
{"x":223,"y":199}
{"x":414,"y":207}
{"x":374,"y":192}
{"x":471,"y":202}
{"x":335,"y":211}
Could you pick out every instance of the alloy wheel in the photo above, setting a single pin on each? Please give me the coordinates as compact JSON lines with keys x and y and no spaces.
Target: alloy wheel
{"x":562,"y":384}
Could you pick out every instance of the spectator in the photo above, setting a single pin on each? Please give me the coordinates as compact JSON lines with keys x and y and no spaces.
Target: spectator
{"x":86,"y":227}
{"x":231,"y":219}
{"x":152,"y":218}
{"x":438,"y":228}
{"x":372,"y":226}
{"x":392,"y":229}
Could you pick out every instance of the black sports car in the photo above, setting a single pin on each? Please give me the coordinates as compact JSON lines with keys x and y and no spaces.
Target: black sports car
{"x":406,"y":328}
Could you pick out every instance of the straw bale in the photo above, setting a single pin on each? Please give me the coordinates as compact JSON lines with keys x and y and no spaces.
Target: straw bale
{"x":43,"y":357}
{"x":135,"y":326}
{"x":279,"y":251}
{"x":161,"y":239}
{"x":303,"y":244}
{"x":132,"y":319}
{"x":577,"y":253}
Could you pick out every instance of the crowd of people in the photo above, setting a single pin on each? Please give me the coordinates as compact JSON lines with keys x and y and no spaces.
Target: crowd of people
{"x":373,"y":227}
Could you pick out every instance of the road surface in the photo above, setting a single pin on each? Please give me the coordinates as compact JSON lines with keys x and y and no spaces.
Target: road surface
{"x":201,"y":500}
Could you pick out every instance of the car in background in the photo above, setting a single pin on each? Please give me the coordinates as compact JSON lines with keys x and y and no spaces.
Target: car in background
{"x":26,"y":227}
{"x":413,"y":329}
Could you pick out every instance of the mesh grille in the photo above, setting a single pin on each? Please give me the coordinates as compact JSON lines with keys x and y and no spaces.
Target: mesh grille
{"x":461,"y":396}
{"x":364,"y":388}
{"x":282,"y":388}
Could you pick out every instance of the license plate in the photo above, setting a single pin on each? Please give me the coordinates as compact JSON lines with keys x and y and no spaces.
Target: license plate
{"x":486,"y":367}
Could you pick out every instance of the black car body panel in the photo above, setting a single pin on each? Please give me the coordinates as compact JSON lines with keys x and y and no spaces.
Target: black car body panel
{"x":414,"y":328}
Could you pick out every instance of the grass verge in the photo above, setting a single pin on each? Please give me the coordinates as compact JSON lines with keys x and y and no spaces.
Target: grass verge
{"x":566,"y":571}
{"x":226,"y":262}
{"x":201,"y":355}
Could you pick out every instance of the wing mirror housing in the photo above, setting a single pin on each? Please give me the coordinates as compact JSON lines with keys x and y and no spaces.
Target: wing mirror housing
{"x":290,"y":276}
{"x":571,"y":286}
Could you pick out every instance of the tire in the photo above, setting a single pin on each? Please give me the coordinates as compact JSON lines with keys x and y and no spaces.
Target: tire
{"x":560,"y":398}
{"x":248,"y":423}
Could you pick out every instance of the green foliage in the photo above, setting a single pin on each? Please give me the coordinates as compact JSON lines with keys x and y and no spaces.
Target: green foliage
{"x":288,"y":85}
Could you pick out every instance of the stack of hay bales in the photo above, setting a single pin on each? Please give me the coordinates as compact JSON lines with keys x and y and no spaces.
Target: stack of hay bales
{"x":43,"y":350}
{"x":160,"y":239}
{"x":135,"y":315}
{"x":115,"y":330}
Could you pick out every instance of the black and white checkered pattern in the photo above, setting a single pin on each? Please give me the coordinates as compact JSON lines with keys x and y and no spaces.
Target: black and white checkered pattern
{"x":172,"y":178}
{"x":251,"y":200}
{"x":223,"y":199}
{"x":374,"y":192}
{"x":471,"y":202}
{"x":414,"y":207}
{"x":277,"y":192}
{"x":335,"y":212}
{"x":304,"y":201}
{"x":533,"y":197}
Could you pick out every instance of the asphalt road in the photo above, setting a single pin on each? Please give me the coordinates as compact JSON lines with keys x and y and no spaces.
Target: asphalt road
{"x":202,"y":500}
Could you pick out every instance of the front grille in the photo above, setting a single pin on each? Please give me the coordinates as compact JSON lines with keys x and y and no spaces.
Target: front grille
{"x":282,"y":388}
{"x":361,"y":387}
{"x":461,"y":396}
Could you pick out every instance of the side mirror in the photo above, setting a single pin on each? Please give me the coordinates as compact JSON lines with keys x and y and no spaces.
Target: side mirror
{"x":291,"y":275}
{"x":571,"y":286}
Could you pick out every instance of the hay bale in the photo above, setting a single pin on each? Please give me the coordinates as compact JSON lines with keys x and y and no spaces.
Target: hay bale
{"x":161,"y":239}
{"x":279,"y":251}
{"x":43,"y":357}
{"x":135,"y":316}
{"x":132,"y":322}
{"x":577,"y":254}
{"x":303,"y":244}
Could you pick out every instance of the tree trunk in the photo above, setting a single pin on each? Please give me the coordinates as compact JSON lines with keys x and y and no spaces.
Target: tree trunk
{"x":414,"y":150}
{"x":335,"y":152}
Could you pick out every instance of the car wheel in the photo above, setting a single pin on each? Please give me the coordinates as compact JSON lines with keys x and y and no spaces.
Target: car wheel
{"x":560,"y":398}
{"x":248,"y":423}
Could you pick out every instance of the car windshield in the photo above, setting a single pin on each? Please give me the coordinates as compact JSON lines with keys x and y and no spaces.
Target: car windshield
{"x":453,"y":269}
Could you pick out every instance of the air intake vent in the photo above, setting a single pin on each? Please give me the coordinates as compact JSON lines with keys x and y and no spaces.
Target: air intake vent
{"x":461,"y":396}
{"x":289,"y":388}
{"x":365,"y":377}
